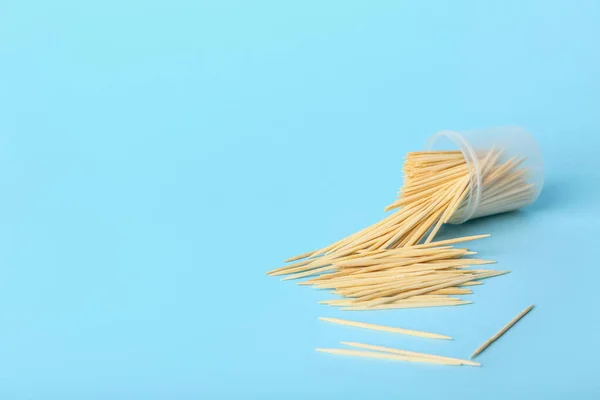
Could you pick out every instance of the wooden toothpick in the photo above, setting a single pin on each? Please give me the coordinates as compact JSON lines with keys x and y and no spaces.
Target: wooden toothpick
{"x":397,"y":258}
{"x":385,"y":328}
{"x":387,"y":356}
{"x":409,"y":353}
{"x":501,"y":331}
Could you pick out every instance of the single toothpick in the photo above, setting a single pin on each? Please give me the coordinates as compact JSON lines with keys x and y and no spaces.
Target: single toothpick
{"x":408,"y":305}
{"x":387,"y":356}
{"x":409,"y":353}
{"x":385,"y":328}
{"x":501,"y":331}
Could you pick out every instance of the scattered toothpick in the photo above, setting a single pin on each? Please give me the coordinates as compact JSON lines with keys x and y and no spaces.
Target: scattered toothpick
{"x":388,"y":356}
{"x":501,"y":331}
{"x":385,"y":328}
{"x":409,"y":353}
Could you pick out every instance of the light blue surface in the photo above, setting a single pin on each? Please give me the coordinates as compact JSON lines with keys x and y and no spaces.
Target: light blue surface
{"x":157,"y":157}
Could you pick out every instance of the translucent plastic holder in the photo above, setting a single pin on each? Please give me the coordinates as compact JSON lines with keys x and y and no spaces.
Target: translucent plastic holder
{"x":505,"y":168}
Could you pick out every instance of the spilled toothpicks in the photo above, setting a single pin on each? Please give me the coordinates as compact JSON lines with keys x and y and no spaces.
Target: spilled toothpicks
{"x":405,"y":277}
{"x":397,"y":258}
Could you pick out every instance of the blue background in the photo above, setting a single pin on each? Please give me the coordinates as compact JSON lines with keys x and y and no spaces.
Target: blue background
{"x":157,"y":157}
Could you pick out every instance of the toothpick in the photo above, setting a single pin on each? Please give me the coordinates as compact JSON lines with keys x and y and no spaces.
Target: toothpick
{"x":371,"y":354}
{"x":386,"y":328}
{"x":408,"y":305}
{"x":409,"y":353}
{"x":501,"y":331}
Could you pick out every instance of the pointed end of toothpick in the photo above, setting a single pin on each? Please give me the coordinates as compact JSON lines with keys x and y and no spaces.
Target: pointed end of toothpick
{"x":290,"y":277}
{"x":276,"y":272}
